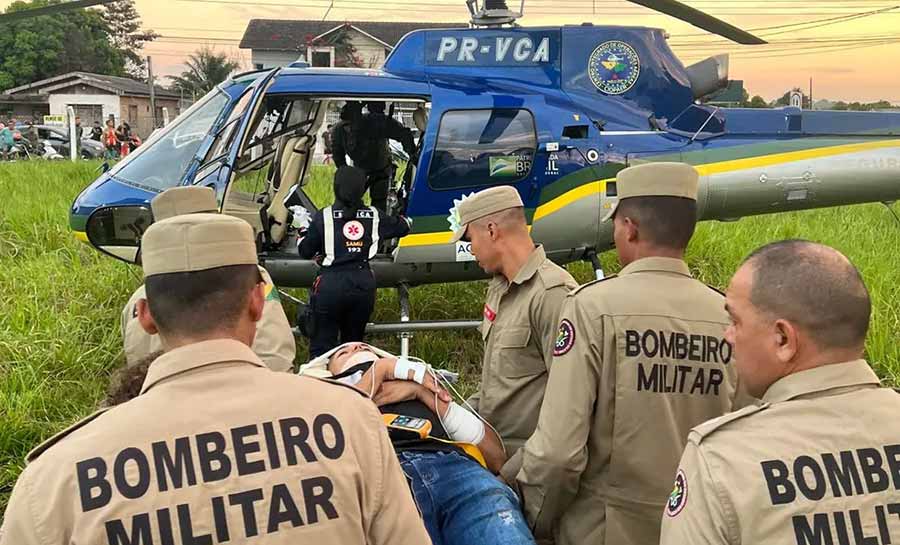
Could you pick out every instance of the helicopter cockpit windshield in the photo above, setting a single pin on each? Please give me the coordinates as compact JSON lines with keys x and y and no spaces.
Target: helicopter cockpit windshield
{"x":161,"y":162}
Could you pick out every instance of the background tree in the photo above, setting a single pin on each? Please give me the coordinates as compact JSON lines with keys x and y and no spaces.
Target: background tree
{"x":50,"y":45}
{"x":757,"y":102}
{"x":206,"y":69}
{"x":127,"y":36}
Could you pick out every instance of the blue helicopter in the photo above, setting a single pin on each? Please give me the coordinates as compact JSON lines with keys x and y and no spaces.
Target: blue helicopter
{"x":553,"y":111}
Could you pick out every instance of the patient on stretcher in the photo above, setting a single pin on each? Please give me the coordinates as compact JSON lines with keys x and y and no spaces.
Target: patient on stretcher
{"x":451,"y":467}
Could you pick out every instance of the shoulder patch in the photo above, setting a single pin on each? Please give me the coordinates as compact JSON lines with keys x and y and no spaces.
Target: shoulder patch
{"x":679,"y":495}
{"x":565,"y":338}
{"x":591,"y":283}
{"x":45,"y":446}
{"x":699,"y":433}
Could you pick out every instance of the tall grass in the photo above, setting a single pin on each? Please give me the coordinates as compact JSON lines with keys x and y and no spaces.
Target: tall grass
{"x":60,"y":299}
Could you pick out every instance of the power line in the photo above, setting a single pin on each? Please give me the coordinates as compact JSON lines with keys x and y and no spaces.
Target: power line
{"x":829,"y":21}
{"x":558,"y":9}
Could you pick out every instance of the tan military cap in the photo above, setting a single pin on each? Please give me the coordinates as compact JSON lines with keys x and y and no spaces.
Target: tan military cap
{"x":655,"y":180}
{"x":197,"y":242}
{"x":484,"y":203}
{"x":183,"y":200}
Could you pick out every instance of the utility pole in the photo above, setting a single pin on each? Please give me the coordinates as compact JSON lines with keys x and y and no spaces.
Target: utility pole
{"x":810,"y":95}
{"x":152,"y":91}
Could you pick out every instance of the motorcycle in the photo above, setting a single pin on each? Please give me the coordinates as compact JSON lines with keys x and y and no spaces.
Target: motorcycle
{"x":48,"y":152}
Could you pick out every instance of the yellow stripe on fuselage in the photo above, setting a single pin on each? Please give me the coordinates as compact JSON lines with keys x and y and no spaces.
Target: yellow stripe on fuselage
{"x":567,"y":198}
{"x":81,"y":235}
{"x":791,"y":156}
{"x":424,"y":239}
{"x":599,"y":186}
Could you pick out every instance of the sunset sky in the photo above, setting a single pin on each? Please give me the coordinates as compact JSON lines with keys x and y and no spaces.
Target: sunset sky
{"x":848,"y":59}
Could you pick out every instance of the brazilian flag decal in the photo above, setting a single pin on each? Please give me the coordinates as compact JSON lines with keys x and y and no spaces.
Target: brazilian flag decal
{"x":272,"y":293}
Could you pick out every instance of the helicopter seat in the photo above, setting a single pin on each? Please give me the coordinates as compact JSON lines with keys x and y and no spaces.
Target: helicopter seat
{"x":297,"y":150}
{"x":420,"y":119}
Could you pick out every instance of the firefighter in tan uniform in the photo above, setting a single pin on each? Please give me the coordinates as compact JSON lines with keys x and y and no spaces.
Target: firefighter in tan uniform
{"x":274,"y":342}
{"x":217,"y":448}
{"x":639,"y":360}
{"x":818,"y":462}
{"x":520,"y":313}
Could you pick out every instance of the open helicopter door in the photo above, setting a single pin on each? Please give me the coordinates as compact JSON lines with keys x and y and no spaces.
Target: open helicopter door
{"x":213,"y":163}
{"x":492,"y":141}
{"x":220,"y":161}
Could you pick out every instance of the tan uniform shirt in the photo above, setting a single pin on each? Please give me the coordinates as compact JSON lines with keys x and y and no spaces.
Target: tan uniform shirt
{"x":817,"y":463}
{"x":640,"y":359}
{"x":519,"y":329}
{"x":274,"y":342}
{"x":217,"y":449}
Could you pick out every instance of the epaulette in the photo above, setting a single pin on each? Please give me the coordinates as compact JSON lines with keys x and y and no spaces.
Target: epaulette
{"x":336,"y":383}
{"x":592,"y":283}
{"x":552,"y":277}
{"x":705,"y":429}
{"x":715,"y":289}
{"x":43,"y":447}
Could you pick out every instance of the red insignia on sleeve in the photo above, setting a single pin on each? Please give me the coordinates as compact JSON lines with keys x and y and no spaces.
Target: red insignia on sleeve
{"x":489,"y":313}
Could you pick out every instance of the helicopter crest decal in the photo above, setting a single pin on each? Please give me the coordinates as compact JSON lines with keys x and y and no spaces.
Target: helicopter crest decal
{"x":614,"y":67}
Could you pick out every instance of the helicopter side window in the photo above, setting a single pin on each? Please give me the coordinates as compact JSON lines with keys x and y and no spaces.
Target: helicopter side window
{"x":483,"y":147}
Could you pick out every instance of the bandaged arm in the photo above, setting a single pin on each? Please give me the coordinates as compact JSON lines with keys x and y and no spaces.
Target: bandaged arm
{"x":462,"y":425}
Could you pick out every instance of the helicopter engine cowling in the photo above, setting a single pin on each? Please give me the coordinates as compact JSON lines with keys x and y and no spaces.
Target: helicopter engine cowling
{"x":708,"y":75}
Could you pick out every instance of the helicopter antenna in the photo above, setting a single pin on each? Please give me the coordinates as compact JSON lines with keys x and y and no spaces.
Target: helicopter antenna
{"x":493,"y":13}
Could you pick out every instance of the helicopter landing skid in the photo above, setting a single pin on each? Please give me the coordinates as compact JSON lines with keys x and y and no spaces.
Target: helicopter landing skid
{"x":405,"y":327}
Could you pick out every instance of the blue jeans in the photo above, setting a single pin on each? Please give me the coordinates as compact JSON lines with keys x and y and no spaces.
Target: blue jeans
{"x":461,"y":502}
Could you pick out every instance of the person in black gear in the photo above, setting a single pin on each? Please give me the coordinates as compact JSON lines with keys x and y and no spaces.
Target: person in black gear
{"x":365,"y":139}
{"x":343,"y":238}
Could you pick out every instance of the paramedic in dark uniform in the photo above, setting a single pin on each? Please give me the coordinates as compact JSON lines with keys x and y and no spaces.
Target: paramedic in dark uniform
{"x":365,"y":139}
{"x":216,"y":448}
{"x":345,"y":133}
{"x":640,"y":358}
{"x":343,"y":238}
{"x":818,"y":461}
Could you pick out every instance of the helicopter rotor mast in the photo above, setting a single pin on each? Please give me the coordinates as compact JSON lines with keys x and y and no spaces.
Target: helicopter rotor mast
{"x":495,"y":13}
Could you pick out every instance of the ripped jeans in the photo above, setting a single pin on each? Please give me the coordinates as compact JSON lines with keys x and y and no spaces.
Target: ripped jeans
{"x":461,"y":502}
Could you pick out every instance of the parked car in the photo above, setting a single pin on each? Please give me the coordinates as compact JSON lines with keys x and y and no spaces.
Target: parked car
{"x":59,"y":139}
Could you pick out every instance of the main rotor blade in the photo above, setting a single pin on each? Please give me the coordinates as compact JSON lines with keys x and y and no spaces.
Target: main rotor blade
{"x":50,"y":10}
{"x":701,"y":20}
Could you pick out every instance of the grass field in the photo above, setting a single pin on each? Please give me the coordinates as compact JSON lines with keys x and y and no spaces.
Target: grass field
{"x":60,"y":299}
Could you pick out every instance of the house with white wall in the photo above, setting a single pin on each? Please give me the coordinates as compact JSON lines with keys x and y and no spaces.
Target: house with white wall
{"x":275,"y":42}
{"x":96,"y":97}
